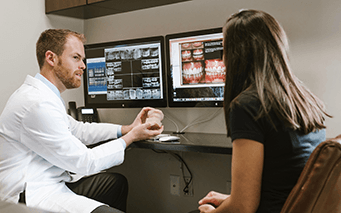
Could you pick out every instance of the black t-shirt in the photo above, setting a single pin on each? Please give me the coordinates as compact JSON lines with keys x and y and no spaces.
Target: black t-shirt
{"x":285,"y":151}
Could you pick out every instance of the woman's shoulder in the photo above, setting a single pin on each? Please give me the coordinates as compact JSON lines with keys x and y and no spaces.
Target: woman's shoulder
{"x":247,"y":100}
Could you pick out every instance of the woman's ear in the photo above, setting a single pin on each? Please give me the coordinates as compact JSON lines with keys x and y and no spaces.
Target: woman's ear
{"x":51,"y":58}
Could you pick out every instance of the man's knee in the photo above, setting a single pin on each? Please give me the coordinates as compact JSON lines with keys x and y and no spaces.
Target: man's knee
{"x":121,"y":179}
{"x":106,"y":209}
{"x":117,"y":190}
{"x":116,"y":180}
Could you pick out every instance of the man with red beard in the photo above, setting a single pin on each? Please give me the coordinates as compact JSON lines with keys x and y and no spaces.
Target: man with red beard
{"x":42,"y":147}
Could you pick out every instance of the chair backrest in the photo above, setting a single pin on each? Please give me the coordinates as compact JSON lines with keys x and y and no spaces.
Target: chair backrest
{"x":318,"y":188}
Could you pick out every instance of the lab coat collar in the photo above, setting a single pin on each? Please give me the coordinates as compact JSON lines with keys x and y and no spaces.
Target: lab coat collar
{"x":41,"y":82}
{"x":50,"y":85}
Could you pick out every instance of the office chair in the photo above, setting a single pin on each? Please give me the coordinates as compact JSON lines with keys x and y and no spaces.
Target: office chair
{"x":318,"y":188}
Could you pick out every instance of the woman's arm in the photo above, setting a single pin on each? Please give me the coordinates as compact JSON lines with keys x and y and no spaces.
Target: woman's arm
{"x":247,"y":167}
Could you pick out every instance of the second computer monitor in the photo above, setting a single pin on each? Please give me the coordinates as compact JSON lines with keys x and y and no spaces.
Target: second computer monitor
{"x":196,"y":71}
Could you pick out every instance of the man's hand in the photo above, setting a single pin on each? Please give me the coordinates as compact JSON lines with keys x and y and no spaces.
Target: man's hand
{"x":141,"y":132}
{"x":142,"y":117}
{"x":140,"y":129}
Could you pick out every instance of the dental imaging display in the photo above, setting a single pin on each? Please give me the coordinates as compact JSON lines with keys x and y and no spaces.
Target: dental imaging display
{"x":126,"y":73}
{"x":195,"y":68}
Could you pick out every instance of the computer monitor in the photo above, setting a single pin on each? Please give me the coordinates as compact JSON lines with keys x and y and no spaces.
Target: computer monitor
{"x":195,"y":68}
{"x":126,"y":73}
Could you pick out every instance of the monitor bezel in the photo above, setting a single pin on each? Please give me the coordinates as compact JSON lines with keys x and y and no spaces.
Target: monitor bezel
{"x":172,"y":103}
{"x":129,"y":103}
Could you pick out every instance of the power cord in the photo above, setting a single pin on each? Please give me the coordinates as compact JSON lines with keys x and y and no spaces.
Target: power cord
{"x":176,"y":126}
{"x":202,"y":121}
{"x":187,"y":182}
{"x":182,"y":161}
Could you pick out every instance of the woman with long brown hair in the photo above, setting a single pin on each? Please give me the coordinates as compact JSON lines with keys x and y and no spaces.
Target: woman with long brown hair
{"x":274,"y":121}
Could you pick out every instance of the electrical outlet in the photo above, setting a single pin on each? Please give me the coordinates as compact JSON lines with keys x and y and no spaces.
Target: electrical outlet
{"x":175,"y":185}
{"x":190,"y":190}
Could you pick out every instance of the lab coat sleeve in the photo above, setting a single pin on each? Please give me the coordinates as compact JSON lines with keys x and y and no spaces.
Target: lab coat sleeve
{"x":46,"y":131}
{"x":90,"y":133}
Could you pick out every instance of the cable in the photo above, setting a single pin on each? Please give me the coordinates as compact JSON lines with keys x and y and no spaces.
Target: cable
{"x":176,"y":126}
{"x":158,"y":151}
{"x":181,"y":160}
{"x":202,"y":121}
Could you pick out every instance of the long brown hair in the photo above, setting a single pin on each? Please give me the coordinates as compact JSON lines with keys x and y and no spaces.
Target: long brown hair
{"x":256,"y":59}
{"x":53,"y":40}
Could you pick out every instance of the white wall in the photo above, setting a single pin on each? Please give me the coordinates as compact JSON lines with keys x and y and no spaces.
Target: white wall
{"x":21,"y":23}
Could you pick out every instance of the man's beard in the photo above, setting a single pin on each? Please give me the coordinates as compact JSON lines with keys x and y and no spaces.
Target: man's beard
{"x":69,"y":81}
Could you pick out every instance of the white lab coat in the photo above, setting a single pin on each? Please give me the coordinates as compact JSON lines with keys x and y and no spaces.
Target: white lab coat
{"x":39,"y":143}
